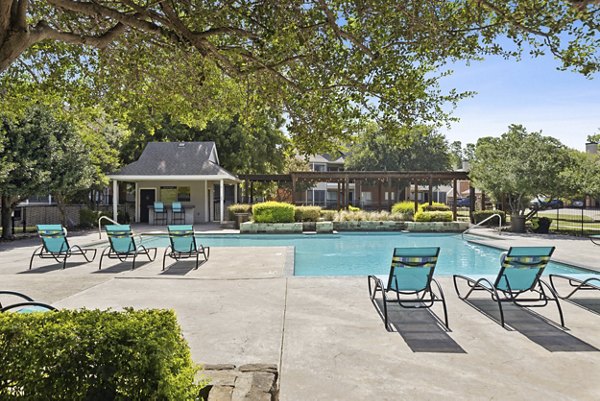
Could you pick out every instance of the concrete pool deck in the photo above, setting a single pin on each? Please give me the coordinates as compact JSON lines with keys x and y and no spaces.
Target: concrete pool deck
{"x":325,"y":334}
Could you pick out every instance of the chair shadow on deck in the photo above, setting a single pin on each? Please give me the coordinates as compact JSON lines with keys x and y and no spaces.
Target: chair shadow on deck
{"x":52,"y":267}
{"x":420,"y":328}
{"x":532,"y":325}
{"x":122,"y":267}
{"x":181,"y":268}
{"x":589,"y":304}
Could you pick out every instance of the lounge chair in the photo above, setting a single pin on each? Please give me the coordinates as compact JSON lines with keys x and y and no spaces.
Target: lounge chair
{"x":411,"y":274}
{"x":123,"y":244}
{"x":518,"y":281}
{"x":160,"y":213}
{"x":184,"y":245}
{"x":56,"y":246}
{"x":178,"y":211}
{"x":576,"y":282}
{"x":595,"y":239}
{"x":24,"y":304}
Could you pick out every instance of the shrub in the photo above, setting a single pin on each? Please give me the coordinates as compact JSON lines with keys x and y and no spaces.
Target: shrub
{"x":424,"y":216}
{"x":328,"y":215}
{"x":307,"y":213}
{"x":368,"y":216}
{"x":435,"y":207}
{"x":353,"y":208}
{"x":238,"y":208}
{"x":405,"y":207}
{"x":88,"y":218}
{"x":481,"y":215}
{"x":541,"y":225}
{"x":95,"y":355}
{"x":273,"y":212}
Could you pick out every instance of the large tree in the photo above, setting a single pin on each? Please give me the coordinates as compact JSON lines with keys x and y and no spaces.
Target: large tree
{"x":325,"y":63}
{"x":410,"y":149}
{"x":519,"y":166}
{"x":42,"y":155}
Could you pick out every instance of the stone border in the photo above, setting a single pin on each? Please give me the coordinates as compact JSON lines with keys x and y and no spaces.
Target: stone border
{"x":250,"y":382}
{"x":330,"y":227}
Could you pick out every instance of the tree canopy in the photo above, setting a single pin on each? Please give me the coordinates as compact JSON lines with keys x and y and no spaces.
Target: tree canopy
{"x":413,"y":149}
{"x":519,"y":166}
{"x":325,"y":64}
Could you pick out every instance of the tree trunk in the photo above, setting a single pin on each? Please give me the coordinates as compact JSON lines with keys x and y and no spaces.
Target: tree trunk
{"x":7,"y":210}
{"x":60,"y":204}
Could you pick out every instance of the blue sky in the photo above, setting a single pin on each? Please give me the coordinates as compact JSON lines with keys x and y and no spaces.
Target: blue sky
{"x":531,"y":92}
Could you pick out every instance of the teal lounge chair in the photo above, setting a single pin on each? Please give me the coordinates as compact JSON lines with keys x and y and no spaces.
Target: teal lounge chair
{"x":518,"y":281}
{"x":577,"y":282}
{"x":178,"y":213}
{"x":410,"y":278}
{"x":184,"y":245}
{"x":24,"y":304}
{"x":56,"y":246}
{"x":123,"y":244}
{"x":160,"y":213}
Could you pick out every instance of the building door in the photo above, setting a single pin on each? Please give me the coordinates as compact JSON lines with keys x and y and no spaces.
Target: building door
{"x":147,"y":198}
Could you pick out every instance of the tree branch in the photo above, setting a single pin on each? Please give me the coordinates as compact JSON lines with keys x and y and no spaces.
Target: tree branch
{"x":21,"y":14}
{"x":43,"y":31}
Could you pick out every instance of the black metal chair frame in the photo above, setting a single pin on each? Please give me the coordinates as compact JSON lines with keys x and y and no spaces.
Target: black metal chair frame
{"x":509,"y":295}
{"x":177,"y":215}
{"x":595,"y":238}
{"x":162,"y":214}
{"x":61,"y":257}
{"x":578,"y":285}
{"x":122,"y":256}
{"x":200,"y":250}
{"x":28,"y":302}
{"x":425,"y":298}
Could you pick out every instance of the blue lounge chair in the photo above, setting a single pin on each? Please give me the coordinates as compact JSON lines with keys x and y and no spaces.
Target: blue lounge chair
{"x":411,"y":274}
{"x":25,"y":304}
{"x":577,"y":282}
{"x":123,"y":244}
{"x":518,"y":281}
{"x":160,"y":213}
{"x":56,"y":246}
{"x":184,"y":245}
{"x":178,"y":211}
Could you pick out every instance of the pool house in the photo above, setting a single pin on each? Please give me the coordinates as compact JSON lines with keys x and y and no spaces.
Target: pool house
{"x":185,"y":172}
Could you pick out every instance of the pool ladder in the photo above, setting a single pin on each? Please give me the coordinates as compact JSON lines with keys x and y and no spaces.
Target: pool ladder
{"x":484,"y":221}
{"x":100,"y":226}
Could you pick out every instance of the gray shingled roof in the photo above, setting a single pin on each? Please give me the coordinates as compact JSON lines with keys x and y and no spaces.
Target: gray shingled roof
{"x":175,"y":159}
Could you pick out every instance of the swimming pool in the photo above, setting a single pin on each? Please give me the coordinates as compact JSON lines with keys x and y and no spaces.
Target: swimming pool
{"x":352,"y":254}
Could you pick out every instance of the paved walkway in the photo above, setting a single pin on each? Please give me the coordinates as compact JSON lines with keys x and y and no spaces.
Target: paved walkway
{"x":326,"y":335}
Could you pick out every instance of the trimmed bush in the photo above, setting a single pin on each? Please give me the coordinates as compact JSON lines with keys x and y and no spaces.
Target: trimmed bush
{"x":328,"y":215}
{"x":238,"y":208}
{"x":424,"y":216}
{"x":273,"y":212}
{"x":307,"y":213}
{"x":95,"y":355}
{"x":353,"y":208}
{"x":368,"y":216}
{"x":404,"y":207}
{"x":481,"y":215}
{"x":435,"y":207}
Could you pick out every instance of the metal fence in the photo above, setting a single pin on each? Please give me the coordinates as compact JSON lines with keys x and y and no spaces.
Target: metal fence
{"x":580,"y":221}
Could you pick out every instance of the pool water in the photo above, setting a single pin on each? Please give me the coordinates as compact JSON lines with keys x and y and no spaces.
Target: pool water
{"x":352,"y":254}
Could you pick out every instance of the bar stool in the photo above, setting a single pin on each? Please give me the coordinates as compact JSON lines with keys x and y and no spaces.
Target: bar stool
{"x":160,"y":213}
{"x":178,"y":213}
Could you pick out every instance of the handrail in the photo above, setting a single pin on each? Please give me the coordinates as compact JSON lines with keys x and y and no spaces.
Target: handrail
{"x":100,"y":227}
{"x":485,"y":220}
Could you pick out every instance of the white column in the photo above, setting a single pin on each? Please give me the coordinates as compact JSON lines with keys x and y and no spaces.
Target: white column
{"x":115,"y":199}
{"x":235,"y":199}
{"x":221,"y":198}
{"x":206,"y":202}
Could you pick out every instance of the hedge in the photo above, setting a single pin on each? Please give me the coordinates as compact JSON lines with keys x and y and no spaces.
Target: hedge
{"x":238,"y":208}
{"x":481,"y":215}
{"x":328,"y":215}
{"x":88,"y":218}
{"x":424,"y":216}
{"x":435,"y":207}
{"x":405,"y":207}
{"x":307,"y":213}
{"x":95,"y":355}
{"x":273,"y":212}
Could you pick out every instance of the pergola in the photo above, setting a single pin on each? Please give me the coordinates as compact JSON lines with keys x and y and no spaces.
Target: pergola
{"x":344,"y":178}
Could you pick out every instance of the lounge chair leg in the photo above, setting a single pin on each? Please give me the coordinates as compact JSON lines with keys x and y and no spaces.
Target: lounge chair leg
{"x":555,"y":299}
{"x":34,"y":255}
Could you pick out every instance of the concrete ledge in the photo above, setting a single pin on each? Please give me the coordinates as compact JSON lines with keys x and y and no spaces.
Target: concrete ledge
{"x":369,"y":225}
{"x":324,"y":227}
{"x":270,"y":228}
{"x":437,"y":226}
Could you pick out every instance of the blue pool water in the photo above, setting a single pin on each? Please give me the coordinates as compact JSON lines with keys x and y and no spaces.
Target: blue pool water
{"x":351,"y":254}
